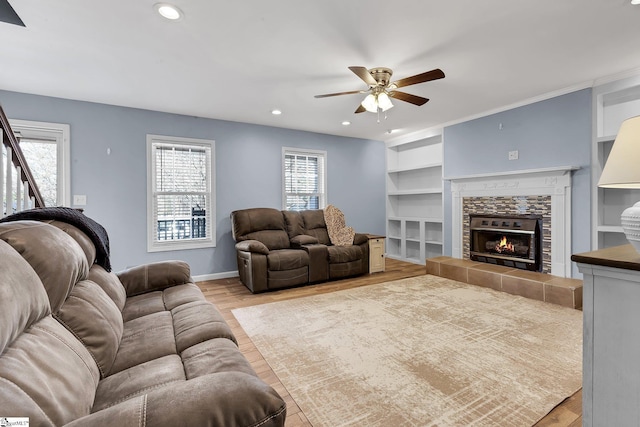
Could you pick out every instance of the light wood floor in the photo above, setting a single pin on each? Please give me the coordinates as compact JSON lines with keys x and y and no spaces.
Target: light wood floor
{"x":228,"y":294}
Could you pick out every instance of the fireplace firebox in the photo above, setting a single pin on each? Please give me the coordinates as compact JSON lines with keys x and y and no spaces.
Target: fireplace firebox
{"x":509,"y":240}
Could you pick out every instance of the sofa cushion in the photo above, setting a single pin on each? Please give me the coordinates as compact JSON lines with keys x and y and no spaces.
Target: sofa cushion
{"x":266,"y":225}
{"x":23,"y":300}
{"x":211,"y":356}
{"x":82,"y":239}
{"x":340,"y":254}
{"x":109,"y":283}
{"x":294,"y":223}
{"x":58,"y":277}
{"x":143,"y":339}
{"x":95,"y":320}
{"x":315,"y":226}
{"x":138,"y":380}
{"x":287,"y":259}
{"x":196,"y":322}
{"x":157,"y":301}
{"x":47,"y":373}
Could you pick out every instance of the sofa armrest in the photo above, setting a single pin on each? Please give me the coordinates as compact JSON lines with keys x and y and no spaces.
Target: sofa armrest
{"x":220,"y":399}
{"x":154,"y":276}
{"x":360,"y":239}
{"x":303,"y":239}
{"x":252,"y":246}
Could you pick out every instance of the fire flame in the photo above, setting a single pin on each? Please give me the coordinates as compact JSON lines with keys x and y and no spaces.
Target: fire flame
{"x":504,"y":245}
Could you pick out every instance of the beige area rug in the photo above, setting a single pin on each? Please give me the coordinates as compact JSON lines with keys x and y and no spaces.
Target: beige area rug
{"x":424,"y":351}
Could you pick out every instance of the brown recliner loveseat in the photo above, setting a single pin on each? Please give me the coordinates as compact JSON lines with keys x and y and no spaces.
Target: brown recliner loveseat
{"x":279,"y":249}
{"x":82,"y":346}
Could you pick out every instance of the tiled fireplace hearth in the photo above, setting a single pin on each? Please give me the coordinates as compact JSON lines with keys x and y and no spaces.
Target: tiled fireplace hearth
{"x":544,"y":192}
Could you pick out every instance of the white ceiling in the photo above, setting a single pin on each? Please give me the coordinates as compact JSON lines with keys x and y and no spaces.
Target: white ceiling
{"x":238,"y":60}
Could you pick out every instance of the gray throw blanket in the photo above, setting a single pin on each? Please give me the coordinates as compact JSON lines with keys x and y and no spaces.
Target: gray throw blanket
{"x":92,"y":229}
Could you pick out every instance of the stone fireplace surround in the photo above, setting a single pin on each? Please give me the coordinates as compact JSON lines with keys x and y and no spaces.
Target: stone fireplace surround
{"x":520,"y":186}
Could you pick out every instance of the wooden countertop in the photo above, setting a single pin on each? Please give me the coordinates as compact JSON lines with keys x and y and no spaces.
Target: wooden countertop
{"x":624,"y":256}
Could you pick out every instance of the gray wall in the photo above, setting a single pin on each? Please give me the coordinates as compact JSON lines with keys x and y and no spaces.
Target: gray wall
{"x":554,"y":132}
{"x":248,"y":172}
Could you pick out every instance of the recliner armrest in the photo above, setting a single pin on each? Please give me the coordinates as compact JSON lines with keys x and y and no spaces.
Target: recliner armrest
{"x":252,"y":246}
{"x":154,"y":276}
{"x":360,"y":239}
{"x":303,"y":239}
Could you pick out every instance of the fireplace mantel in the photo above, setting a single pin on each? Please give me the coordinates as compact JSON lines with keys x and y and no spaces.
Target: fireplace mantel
{"x":554,"y":181}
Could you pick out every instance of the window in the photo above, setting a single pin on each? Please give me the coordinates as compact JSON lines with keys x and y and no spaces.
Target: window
{"x":180,"y":199}
{"x":304,"y":179}
{"x":46,"y":149}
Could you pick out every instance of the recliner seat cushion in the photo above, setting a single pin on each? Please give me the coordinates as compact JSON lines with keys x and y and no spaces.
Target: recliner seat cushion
{"x":341,"y":254}
{"x":287,"y":259}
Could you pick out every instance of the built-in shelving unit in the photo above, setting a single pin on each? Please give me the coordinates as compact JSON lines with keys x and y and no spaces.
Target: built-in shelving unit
{"x":612,"y":104}
{"x":414,"y":199}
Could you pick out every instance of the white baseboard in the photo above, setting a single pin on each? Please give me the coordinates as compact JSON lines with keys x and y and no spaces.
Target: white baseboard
{"x":215,"y":276}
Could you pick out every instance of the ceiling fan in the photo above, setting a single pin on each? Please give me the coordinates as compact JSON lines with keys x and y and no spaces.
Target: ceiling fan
{"x":381,"y":88}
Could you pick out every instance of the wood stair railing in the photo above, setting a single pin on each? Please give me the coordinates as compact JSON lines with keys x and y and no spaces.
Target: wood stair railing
{"x":24,"y":193}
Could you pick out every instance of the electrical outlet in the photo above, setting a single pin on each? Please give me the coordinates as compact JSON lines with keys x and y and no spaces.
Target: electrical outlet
{"x":513,"y":155}
{"x":79,"y":200}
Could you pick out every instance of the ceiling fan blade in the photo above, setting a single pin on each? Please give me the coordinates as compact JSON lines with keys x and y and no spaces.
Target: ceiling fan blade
{"x":407,"y":97}
{"x":360,"y":109}
{"x":419,"y":78}
{"x":340,"y":93}
{"x":364,"y":74}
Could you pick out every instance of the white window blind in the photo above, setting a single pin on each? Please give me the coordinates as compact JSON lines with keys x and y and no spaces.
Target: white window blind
{"x":181,"y":196}
{"x":304,"y":179}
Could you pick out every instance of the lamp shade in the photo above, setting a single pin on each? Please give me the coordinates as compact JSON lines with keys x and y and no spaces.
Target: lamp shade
{"x":370,"y":103}
{"x":622,"y":169}
{"x":384,"y":102}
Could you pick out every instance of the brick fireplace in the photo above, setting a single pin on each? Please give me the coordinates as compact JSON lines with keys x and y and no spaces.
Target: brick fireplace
{"x":540,"y":192}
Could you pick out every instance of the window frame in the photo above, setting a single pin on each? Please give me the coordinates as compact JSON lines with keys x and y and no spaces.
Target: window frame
{"x":60,"y":133}
{"x":154,"y":245}
{"x":321,"y":154}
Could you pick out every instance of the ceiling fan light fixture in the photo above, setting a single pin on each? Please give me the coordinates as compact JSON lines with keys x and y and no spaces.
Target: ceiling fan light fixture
{"x":370,"y":103}
{"x":384,"y":102}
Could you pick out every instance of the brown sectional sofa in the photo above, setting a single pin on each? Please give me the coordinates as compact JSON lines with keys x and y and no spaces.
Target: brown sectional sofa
{"x":82,"y":346}
{"x":279,"y":249}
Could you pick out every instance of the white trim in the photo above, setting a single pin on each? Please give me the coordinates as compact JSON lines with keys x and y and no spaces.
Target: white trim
{"x":62,"y":134}
{"x":423,"y":133}
{"x":209,"y":242}
{"x":555,"y":182}
{"x":215,"y":276}
{"x":306,"y":151}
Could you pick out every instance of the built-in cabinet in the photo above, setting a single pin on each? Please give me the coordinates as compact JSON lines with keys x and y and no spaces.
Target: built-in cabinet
{"x":612,"y":104}
{"x":414,"y":199}
{"x":610,"y":375}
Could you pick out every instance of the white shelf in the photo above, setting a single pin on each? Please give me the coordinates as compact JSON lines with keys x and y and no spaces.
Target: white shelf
{"x":610,"y":229}
{"x":417,"y":167}
{"x":415,"y":218}
{"x":607,"y":138}
{"x":614,"y":102}
{"x":414,"y":199}
{"x":416,"y":192}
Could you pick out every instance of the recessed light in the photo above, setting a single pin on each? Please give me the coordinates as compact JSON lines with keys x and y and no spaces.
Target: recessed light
{"x":636,"y":2}
{"x":276,"y":112}
{"x":168,"y":11}
{"x":346,"y":123}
